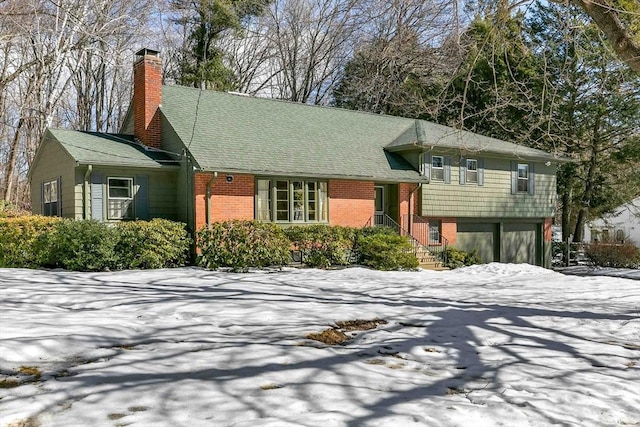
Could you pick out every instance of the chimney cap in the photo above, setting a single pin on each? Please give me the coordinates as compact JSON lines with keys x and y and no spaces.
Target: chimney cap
{"x":145,"y":51}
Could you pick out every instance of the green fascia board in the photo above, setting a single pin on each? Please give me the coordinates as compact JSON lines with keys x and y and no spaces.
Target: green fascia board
{"x":428,"y":136}
{"x":98,"y":148}
{"x":240,"y":134}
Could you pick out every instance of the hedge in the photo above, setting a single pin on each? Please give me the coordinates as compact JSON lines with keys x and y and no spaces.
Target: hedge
{"x":23,"y":242}
{"x":387,"y":251}
{"x":322,"y":246}
{"x":242,"y":245}
{"x":37,"y":241}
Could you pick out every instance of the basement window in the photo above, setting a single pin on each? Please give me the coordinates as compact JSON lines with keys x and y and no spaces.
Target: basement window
{"x":120,"y":198}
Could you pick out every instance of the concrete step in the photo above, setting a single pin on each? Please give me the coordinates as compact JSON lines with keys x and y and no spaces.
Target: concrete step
{"x":435,"y":266}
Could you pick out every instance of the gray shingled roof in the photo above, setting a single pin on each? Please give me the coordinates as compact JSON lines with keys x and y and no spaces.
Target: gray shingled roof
{"x":230,"y":132}
{"x":108,"y":149}
{"x":432,"y":136}
{"x":264,"y":136}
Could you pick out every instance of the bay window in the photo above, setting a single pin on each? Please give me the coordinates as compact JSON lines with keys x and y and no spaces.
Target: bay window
{"x":291,"y":200}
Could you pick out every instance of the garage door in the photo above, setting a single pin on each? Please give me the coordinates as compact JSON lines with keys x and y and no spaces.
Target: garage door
{"x":519,"y":243}
{"x":478,"y":237}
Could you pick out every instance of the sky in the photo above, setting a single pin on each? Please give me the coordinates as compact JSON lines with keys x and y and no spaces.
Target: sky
{"x":488,"y":345}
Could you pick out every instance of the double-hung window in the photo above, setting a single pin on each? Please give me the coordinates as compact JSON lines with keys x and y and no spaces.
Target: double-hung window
{"x":523,"y":178}
{"x":437,"y":168}
{"x":51,"y":198}
{"x":120,"y":198}
{"x":291,"y":200}
{"x":435,"y":231}
{"x":472,"y":171}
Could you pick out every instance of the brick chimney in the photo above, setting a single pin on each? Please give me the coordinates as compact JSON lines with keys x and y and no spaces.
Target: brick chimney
{"x":147,"y":97}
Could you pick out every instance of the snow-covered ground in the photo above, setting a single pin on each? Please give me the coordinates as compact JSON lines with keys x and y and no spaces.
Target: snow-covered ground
{"x":490,"y":345}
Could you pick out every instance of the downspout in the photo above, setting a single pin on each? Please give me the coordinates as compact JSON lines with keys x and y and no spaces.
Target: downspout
{"x":87,"y":209}
{"x":411,"y":207}
{"x":208,"y":201}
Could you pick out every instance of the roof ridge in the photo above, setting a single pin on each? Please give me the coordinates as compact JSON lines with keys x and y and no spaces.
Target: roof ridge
{"x":289,"y":102}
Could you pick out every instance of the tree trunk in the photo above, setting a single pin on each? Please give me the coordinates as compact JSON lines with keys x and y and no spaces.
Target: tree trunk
{"x":606,"y":18}
{"x":588,"y":194}
{"x":9,"y":182}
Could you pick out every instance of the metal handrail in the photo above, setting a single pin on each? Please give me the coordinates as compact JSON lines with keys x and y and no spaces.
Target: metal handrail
{"x":419,"y":238}
{"x":437,"y":248}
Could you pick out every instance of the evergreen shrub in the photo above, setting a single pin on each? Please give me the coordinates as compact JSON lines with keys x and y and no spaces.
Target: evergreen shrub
{"x":83,"y":246}
{"x":158,"y":243}
{"x":321,"y":245}
{"x":458,"y":258}
{"x":24,"y":242}
{"x":241,"y":245}
{"x":386,"y":251}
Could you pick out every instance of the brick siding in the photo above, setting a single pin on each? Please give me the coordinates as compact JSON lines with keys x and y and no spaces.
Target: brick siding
{"x":351,"y":203}
{"x":404,"y":199}
{"x":229,"y":200}
{"x":548,"y":235}
{"x":450,"y":229}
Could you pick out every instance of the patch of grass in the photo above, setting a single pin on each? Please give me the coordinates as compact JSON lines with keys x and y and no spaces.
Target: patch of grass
{"x":137,"y":408}
{"x":455,"y":390}
{"x":123,"y":347}
{"x":9,"y":383}
{"x":336,"y":335}
{"x":270,"y":386}
{"x":29,"y":422}
{"x":329,"y":336}
{"x":30,"y":370}
{"x":359,"y":324}
{"x":63,"y":373}
{"x":116,"y":416}
{"x":396,"y":366}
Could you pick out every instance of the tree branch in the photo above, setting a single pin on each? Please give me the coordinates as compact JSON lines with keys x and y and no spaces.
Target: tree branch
{"x":606,"y":18}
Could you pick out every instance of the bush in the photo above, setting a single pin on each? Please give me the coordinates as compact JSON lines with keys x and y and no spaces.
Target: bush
{"x":24,"y":242}
{"x":624,"y":255}
{"x":158,"y":243}
{"x":321,"y":245}
{"x":9,"y":210}
{"x":83,"y":246}
{"x":386,"y":251}
{"x":241,"y":245}
{"x":457,"y":258}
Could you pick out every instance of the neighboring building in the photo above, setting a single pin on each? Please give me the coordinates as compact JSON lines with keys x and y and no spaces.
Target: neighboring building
{"x":203,"y":156}
{"x":623,"y":225}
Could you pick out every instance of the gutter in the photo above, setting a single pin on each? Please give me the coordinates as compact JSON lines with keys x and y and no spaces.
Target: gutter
{"x":208,"y":198}
{"x":87,"y":210}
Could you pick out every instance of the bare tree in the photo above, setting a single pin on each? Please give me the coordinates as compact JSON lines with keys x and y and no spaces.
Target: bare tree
{"x":62,"y":64}
{"x":606,"y":15}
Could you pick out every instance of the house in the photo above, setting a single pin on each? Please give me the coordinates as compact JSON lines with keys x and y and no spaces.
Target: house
{"x":203,"y":156}
{"x":622,"y":225}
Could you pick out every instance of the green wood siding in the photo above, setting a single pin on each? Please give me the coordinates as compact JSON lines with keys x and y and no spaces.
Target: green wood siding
{"x":493,"y":198}
{"x":185,"y":193}
{"x":53,"y":162}
{"x":161,"y":191}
